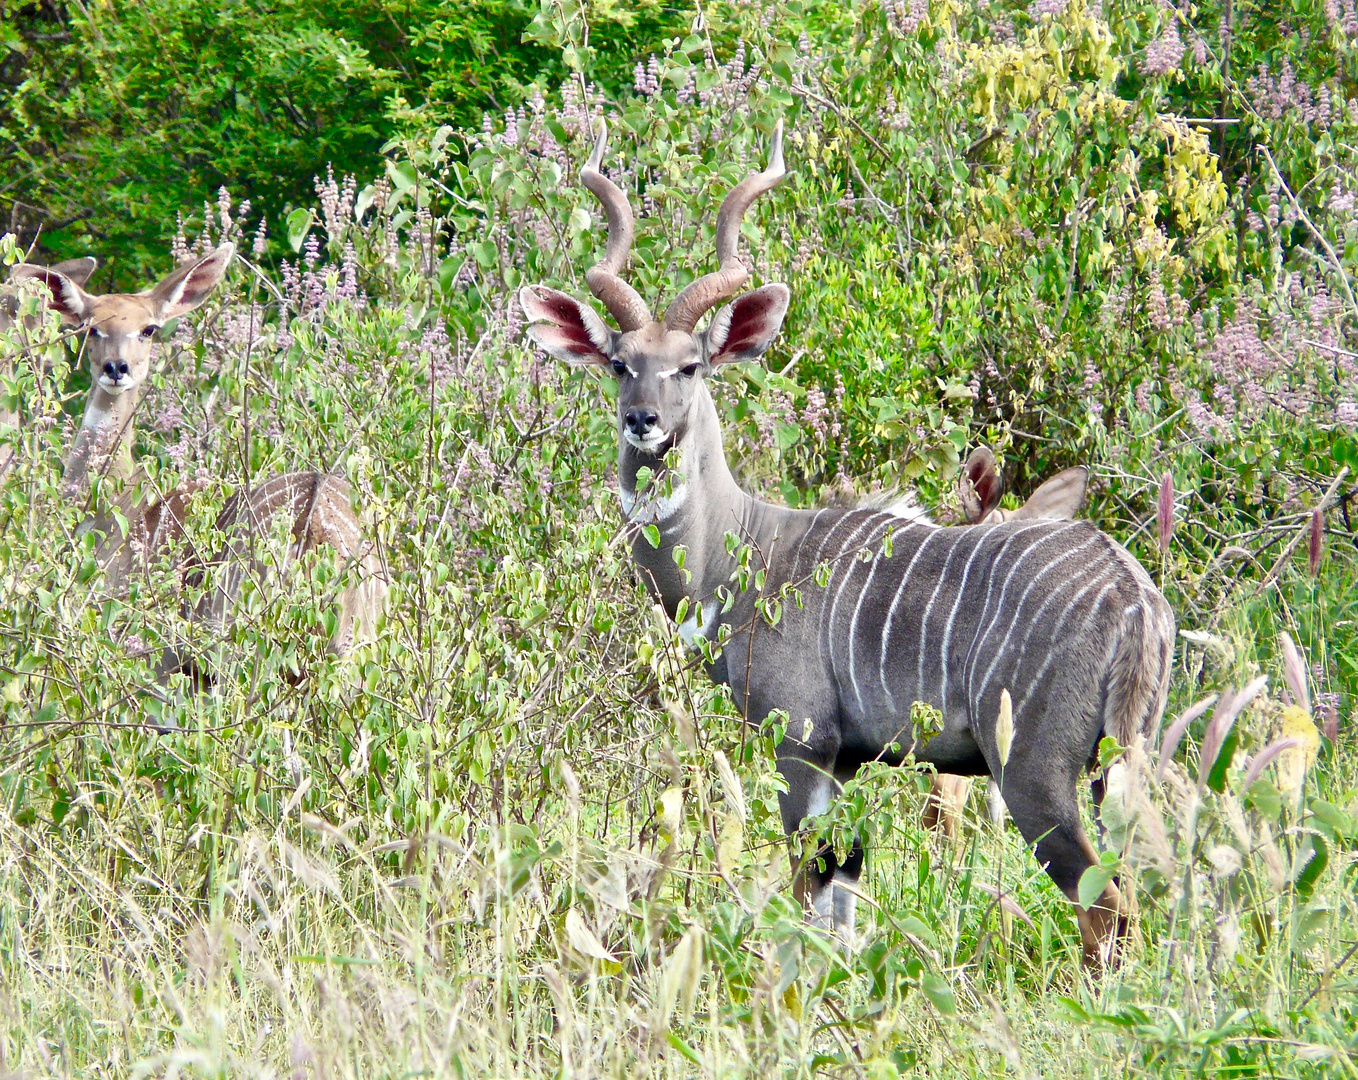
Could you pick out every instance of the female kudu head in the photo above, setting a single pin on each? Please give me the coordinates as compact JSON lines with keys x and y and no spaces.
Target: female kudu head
{"x":659,"y":363}
{"x":122,"y":326}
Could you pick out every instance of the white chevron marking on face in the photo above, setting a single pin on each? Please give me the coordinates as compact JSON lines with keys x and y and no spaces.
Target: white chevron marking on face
{"x":650,"y":442}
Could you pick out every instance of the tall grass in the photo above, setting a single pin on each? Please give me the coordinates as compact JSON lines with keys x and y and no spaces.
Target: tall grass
{"x":520,"y":834}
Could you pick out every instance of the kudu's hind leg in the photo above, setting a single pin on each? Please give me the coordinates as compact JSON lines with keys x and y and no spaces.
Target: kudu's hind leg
{"x":1041,"y":796}
{"x":826,"y":887}
{"x":946,"y":803}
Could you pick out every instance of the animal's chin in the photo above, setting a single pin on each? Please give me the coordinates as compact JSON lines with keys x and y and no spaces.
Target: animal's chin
{"x":115,"y":389}
{"x":650,"y":446}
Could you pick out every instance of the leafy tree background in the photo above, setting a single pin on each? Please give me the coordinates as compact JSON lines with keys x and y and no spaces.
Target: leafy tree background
{"x":117,"y":117}
{"x":520,"y":834}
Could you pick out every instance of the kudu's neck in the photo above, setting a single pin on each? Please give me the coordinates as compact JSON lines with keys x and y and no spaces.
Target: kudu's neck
{"x":102,"y":446}
{"x":694,"y":509}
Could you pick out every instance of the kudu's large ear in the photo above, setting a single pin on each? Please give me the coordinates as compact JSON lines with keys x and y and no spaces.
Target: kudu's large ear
{"x":78,"y":270}
{"x":1060,"y":497}
{"x":979,"y":485}
{"x":192,"y":283}
{"x":746,"y":327}
{"x":64,"y":295}
{"x":566,"y":328}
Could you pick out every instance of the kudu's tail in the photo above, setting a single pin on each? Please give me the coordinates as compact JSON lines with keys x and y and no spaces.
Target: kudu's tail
{"x":1138,"y":679}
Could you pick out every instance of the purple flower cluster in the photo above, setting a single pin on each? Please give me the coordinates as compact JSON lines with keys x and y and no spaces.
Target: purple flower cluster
{"x":1165,"y":53}
{"x":814,"y":412}
{"x":1053,"y":8}
{"x":736,"y":82}
{"x":780,"y":410}
{"x":1239,"y":358}
{"x":1341,"y":14}
{"x":1341,"y":200}
{"x":337,"y":202}
{"x":891,"y":114}
{"x":241,"y":327}
{"x":580,"y":106}
{"x":646,"y":80}
{"x":1204,"y":419}
{"x":1284,"y":95}
{"x":1157,"y":307}
{"x":170,"y":417}
{"x":905,"y":16}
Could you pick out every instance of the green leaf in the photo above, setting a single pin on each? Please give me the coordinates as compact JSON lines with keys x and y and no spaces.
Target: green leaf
{"x":1216,"y":779}
{"x":1265,"y":800}
{"x":684,"y":1048}
{"x":652,"y":534}
{"x":939,"y":993}
{"x":1311,"y":868}
{"x":1340,"y":824}
{"x":298,"y":223}
{"x":1092,"y":883}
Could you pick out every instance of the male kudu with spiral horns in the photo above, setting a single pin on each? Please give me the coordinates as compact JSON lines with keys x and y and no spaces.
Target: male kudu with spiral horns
{"x":1053,"y":613}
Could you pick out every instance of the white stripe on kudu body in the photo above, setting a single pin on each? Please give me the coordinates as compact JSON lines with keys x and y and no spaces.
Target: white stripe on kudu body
{"x":930,"y":613}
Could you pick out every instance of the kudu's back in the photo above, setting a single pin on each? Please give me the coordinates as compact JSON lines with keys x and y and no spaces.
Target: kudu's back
{"x":1055,"y":612}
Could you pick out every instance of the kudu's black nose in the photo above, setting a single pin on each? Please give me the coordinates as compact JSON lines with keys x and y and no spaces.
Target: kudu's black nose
{"x":640,"y":421}
{"x":115,"y":371}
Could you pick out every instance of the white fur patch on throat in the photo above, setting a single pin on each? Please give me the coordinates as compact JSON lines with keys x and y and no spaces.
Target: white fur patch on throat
{"x":650,"y":508}
{"x":691,"y":628}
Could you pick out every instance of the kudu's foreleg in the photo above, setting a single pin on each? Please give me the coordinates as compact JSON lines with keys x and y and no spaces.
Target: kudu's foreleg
{"x":825,"y":886}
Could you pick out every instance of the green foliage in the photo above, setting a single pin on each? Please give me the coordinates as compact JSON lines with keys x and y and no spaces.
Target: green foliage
{"x":117,"y":117}
{"x":520,"y":834}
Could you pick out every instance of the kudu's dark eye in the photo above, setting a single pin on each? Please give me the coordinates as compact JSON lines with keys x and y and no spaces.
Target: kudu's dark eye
{"x":689,"y":371}
{"x":619,"y":368}
{"x":149,"y":331}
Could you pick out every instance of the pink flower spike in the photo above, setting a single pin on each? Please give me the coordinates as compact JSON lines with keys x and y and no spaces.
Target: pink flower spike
{"x":1260,"y":761}
{"x":1294,"y":671}
{"x":1316,"y":547}
{"x":1223,"y":719}
{"x":1164,"y":511}
{"x":1175,"y":733}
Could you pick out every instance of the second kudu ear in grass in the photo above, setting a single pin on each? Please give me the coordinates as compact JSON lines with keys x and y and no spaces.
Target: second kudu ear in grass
{"x":893,"y":609}
{"x":121,"y":330}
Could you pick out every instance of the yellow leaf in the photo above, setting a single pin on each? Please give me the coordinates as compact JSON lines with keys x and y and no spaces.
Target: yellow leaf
{"x":583,"y":939}
{"x":730,"y":843}
{"x":1293,"y":762}
{"x":671,"y":813}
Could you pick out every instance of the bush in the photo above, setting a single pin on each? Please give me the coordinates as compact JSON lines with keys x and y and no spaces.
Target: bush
{"x":520,"y":834}
{"x":121,"y":116}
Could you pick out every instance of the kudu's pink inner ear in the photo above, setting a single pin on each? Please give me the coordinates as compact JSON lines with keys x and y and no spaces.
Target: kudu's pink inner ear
{"x":65,"y":297}
{"x":980,"y":486}
{"x":564,"y":327}
{"x":746,"y":327}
